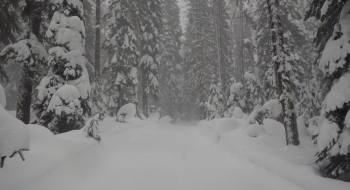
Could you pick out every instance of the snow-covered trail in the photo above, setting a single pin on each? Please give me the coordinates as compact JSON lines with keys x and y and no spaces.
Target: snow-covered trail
{"x":155,"y":156}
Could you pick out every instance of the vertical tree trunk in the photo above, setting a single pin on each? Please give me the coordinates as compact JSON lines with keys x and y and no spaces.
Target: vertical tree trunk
{"x":97,"y":39}
{"x":282,"y":76}
{"x":217,"y":38}
{"x":24,"y":95}
{"x":242,"y":44}
{"x":144,"y":95}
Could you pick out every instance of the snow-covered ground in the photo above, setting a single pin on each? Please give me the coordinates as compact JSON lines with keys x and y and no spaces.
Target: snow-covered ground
{"x":140,"y":155}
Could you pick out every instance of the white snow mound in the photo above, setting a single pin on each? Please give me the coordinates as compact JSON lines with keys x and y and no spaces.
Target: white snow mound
{"x":14,"y":134}
{"x":255,"y":130}
{"x":126,"y":112}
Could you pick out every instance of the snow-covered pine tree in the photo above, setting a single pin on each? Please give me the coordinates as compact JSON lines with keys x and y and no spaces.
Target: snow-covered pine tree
{"x":64,"y":109}
{"x":283,"y":75}
{"x":200,"y":58}
{"x":295,"y":37}
{"x":215,"y":104}
{"x":333,"y":140}
{"x":121,"y":44}
{"x":30,"y":54}
{"x":171,"y":68}
{"x":150,"y":20}
{"x":222,"y":41}
{"x":328,"y":12}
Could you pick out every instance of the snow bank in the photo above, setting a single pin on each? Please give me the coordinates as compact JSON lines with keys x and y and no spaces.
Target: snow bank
{"x":215,"y":128}
{"x":126,"y":112}
{"x":14,"y":134}
{"x":2,"y":97}
{"x":255,"y":130}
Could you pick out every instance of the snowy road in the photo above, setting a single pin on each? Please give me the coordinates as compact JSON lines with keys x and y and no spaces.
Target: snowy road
{"x":151,"y":157}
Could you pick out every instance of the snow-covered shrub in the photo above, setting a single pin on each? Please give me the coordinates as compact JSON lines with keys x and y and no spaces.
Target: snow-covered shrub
{"x":271,"y":109}
{"x":333,"y":140}
{"x":91,"y":127}
{"x":67,"y":66}
{"x":126,"y":112}
{"x":14,"y":136}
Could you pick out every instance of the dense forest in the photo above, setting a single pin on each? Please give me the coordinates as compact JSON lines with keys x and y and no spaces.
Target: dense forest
{"x":64,"y":61}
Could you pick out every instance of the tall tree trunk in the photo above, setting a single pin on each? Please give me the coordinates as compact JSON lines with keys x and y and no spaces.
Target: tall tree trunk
{"x":97,"y":39}
{"x":282,"y":76}
{"x":24,"y":95}
{"x":143,"y":92}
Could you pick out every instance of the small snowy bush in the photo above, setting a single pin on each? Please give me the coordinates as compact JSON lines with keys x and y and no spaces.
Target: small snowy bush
{"x":91,"y":127}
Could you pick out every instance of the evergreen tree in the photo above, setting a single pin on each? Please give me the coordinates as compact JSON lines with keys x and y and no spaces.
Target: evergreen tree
{"x":295,"y":37}
{"x":121,"y":83}
{"x":171,"y":67}
{"x":223,"y":42}
{"x":284,"y":73}
{"x":63,"y":109}
{"x":200,"y":58}
{"x":30,"y":54}
{"x":333,"y":146}
{"x":328,"y":12}
{"x":150,"y":20}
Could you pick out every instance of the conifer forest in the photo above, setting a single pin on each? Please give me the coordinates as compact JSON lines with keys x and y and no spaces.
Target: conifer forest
{"x":174,"y":94}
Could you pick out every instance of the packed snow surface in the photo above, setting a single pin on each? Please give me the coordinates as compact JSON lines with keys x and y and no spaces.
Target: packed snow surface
{"x":144,"y":154}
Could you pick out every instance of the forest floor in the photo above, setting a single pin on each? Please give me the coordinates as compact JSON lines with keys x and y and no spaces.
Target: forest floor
{"x":157,"y":155}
